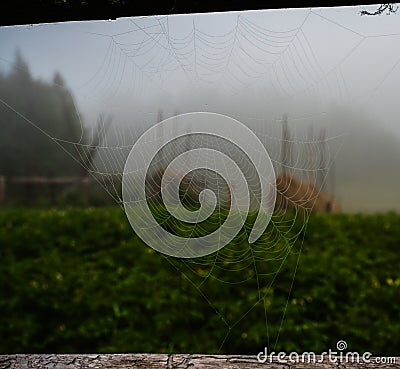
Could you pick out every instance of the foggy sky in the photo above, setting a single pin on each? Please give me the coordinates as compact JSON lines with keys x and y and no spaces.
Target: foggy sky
{"x":324,"y":67}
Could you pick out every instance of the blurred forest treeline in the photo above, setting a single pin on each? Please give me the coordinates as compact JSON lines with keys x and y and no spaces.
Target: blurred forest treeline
{"x":36,"y":107}
{"x":42,"y":136}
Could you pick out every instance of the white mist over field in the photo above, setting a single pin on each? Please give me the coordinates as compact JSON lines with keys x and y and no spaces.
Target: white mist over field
{"x":325,"y":68}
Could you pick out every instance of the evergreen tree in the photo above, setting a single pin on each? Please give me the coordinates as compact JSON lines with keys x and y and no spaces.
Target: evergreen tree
{"x":37,"y":117}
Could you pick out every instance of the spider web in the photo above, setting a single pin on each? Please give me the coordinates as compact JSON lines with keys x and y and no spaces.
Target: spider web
{"x":248,"y":54}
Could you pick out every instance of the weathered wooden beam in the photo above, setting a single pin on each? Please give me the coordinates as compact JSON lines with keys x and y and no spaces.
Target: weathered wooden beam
{"x":173,"y":361}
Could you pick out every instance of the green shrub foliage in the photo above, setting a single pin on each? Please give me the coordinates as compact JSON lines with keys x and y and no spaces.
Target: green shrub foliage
{"x":80,"y":280}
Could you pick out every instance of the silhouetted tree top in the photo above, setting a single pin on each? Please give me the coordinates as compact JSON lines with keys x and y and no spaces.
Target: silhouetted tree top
{"x":58,"y":79}
{"x":20,"y":69}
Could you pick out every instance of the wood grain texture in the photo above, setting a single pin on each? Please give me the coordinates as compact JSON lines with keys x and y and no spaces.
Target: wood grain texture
{"x":164,"y":361}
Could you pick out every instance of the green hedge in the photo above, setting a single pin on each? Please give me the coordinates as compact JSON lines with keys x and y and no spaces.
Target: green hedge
{"x":79,"y":280}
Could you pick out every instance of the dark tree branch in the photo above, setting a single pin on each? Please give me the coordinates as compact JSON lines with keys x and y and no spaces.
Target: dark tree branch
{"x":382,"y":8}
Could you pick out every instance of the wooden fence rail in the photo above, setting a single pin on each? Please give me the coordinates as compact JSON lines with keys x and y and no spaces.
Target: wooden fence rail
{"x":5,"y":182}
{"x":172,"y":361}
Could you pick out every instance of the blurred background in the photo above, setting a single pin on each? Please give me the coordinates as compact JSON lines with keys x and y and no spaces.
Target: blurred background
{"x":317,"y":86}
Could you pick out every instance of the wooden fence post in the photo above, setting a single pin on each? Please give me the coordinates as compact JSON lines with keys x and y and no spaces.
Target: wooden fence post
{"x":2,"y":190}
